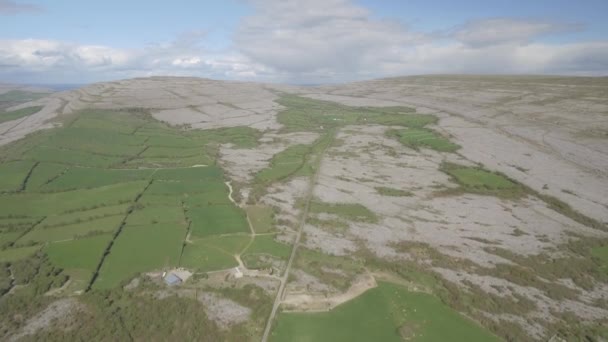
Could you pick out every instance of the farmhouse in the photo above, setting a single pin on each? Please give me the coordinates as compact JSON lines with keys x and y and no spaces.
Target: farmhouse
{"x":171,"y":279}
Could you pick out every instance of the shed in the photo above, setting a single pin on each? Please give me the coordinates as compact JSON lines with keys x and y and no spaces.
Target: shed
{"x":171,"y":279}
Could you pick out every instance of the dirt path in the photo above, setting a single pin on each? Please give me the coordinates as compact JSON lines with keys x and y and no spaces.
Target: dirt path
{"x":304,"y":302}
{"x":301,"y":223}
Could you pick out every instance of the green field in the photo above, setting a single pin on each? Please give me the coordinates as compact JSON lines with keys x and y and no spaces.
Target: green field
{"x":31,"y":204}
{"x":18,"y":114}
{"x":423,"y":137}
{"x":72,"y":231}
{"x":263,"y":250}
{"x":79,"y":177}
{"x":386,"y":313}
{"x":601,"y":253}
{"x":478,"y":180}
{"x":261,"y":217}
{"x":202,"y":258}
{"x":44,"y":173}
{"x":348,"y":211}
{"x":79,"y":257}
{"x":156,"y":214}
{"x":284,"y":163}
{"x":216,"y":219}
{"x":13,"y":254}
{"x":141,"y":249}
{"x":13,"y":175}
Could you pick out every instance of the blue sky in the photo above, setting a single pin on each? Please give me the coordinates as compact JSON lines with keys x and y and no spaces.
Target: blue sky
{"x":297,"y":41}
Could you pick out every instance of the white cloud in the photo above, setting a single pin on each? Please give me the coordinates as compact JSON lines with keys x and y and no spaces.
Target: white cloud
{"x":314,"y":41}
{"x":8,"y":7}
{"x":494,"y":31}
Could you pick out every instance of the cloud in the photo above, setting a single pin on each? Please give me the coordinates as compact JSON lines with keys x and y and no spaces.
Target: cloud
{"x":314,"y":41}
{"x":492,"y":31}
{"x":8,"y":7}
{"x":37,"y":60}
{"x":329,"y":36}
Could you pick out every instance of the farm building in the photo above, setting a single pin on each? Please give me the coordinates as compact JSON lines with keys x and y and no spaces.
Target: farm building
{"x":171,"y":279}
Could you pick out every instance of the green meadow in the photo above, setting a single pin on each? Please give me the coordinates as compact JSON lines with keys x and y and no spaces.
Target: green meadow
{"x":386,"y":313}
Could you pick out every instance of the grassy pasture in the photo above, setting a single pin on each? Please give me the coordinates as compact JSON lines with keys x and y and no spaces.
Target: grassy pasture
{"x":386,"y":313}
{"x":160,"y":199}
{"x":261,"y":217}
{"x":423,"y":137}
{"x":95,"y":140}
{"x":81,"y":177}
{"x":601,"y":253}
{"x":44,"y":173}
{"x":209,"y":173}
{"x":141,"y":249}
{"x":62,"y":202}
{"x":478,"y":180}
{"x":70,"y":157}
{"x":8,"y":237}
{"x":81,"y":255}
{"x":216,"y":219}
{"x":19,"y":113}
{"x":172,"y":152}
{"x":348,"y":211}
{"x":177,"y":187}
{"x":230,"y":244}
{"x":20,"y":96}
{"x":13,"y":174}
{"x":71,"y":231}
{"x":284,"y":164}
{"x":304,"y":114}
{"x":392,"y":192}
{"x":212,"y":197}
{"x":155,"y":214}
{"x":84,"y":215}
{"x":262,"y":248}
{"x":14,"y":254}
{"x":203,"y":258}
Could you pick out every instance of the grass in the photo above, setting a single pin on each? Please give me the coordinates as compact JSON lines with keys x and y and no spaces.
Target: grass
{"x":304,"y":114}
{"x":44,"y":173}
{"x":261,"y":217}
{"x":202,"y":258}
{"x":386,"y":313}
{"x":216,"y":219}
{"x":70,"y":157}
{"x":385,"y":191}
{"x":30,"y":204}
{"x":20,"y":96}
{"x":84,"y":215}
{"x":80,"y":177}
{"x":18,"y":114}
{"x":141,"y":249}
{"x":320,"y":265}
{"x":14,"y":174}
{"x":284,"y":164}
{"x":71,"y":231}
{"x":348,"y":211}
{"x":14,"y":254}
{"x":230,"y":244}
{"x":262,"y":248}
{"x":478,"y":180}
{"x":417,"y":138}
{"x":79,"y":254}
{"x":601,"y":253}
{"x":156,"y":214}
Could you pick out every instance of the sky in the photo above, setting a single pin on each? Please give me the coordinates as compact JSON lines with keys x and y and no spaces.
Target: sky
{"x":298,"y":41}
